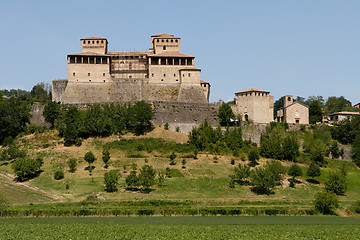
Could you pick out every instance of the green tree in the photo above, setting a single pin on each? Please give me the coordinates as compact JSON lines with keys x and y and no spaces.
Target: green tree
{"x":132,"y":180}
{"x":336,"y":183}
{"x":26,"y":168}
{"x":72,"y":164}
{"x":276,"y":169}
{"x":337,"y":104}
{"x":334,"y":149}
{"x":147,"y":176}
{"x":346,"y":130}
{"x":290,"y":146}
{"x":295,"y":171}
{"x":140,"y":116}
{"x":313,"y":170}
{"x":263,"y":180}
{"x":355,"y":150}
{"x":326,"y":202}
{"x":41,"y":93}
{"x":14,"y":116}
{"x":111,"y":180}
{"x":4,"y":202}
{"x":225,"y":114}
{"x":90,"y":159}
{"x":106,"y":157}
{"x":253,"y":156}
{"x":315,"y":112}
{"x":52,"y":112}
{"x":59,"y":174}
{"x":241,"y":173}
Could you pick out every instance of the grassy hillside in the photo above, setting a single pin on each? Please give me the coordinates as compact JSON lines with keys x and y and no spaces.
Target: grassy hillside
{"x":205,"y":180}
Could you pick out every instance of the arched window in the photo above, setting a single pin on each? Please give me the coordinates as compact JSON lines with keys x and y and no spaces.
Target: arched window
{"x":164,"y":48}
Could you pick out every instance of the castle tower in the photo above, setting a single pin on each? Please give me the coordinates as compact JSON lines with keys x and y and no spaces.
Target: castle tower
{"x":165,"y":43}
{"x":94,"y":45}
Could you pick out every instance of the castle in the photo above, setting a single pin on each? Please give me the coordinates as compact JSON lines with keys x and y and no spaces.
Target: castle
{"x":161,"y":74}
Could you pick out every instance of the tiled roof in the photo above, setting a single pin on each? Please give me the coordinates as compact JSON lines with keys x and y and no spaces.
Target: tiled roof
{"x":252,"y":90}
{"x":164,"y":35}
{"x":92,"y":38}
{"x":88,"y":54}
{"x":190,"y":68}
{"x":201,"y":81}
{"x":345,"y":113}
{"x":170,"y":54}
{"x":129,"y":53}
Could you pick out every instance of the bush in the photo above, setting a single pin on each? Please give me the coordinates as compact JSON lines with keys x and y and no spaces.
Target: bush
{"x":295,"y":171}
{"x":72,"y":164}
{"x":111,"y":180}
{"x":25,"y":168}
{"x":3,"y":201}
{"x":326,"y":202}
{"x":177,"y":129}
{"x":276,"y":169}
{"x":132,"y":180}
{"x":106,"y":157}
{"x":313,"y":170}
{"x":89,"y":158}
{"x":336,"y":183}
{"x":241,"y":173}
{"x":59,"y":174}
{"x":166,"y":126}
{"x":355,"y":207}
{"x":147,"y":176}
{"x":253,"y":156}
{"x":262,"y":180}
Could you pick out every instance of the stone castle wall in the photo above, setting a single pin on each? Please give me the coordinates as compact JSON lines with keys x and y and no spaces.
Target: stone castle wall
{"x":125,"y":90}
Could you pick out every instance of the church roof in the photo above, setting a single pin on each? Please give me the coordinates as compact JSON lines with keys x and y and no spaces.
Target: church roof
{"x":252,"y":90}
{"x":345,"y":113}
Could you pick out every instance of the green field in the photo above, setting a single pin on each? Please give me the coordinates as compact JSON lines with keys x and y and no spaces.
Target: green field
{"x":181,"y":228}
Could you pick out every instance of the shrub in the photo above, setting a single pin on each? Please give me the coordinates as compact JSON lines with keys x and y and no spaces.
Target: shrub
{"x":147,"y":176}
{"x":241,"y":173}
{"x":89,"y":158}
{"x":276,"y":169}
{"x":59,"y":174}
{"x":177,"y":129}
{"x":25,"y":168}
{"x":166,"y":126}
{"x":355,"y":207}
{"x":3,"y":201}
{"x":111,"y":180}
{"x":295,"y":171}
{"x":262,"y":180}
{"x":232,"y":161}
{"x":253,"y":156}
{"x":336,"y":183}
{"x":313,"y":170}
{"x":72,"y":164}
{"x":326,"y":202}
{"x":106,"y":157}
{"x":132,"y":180}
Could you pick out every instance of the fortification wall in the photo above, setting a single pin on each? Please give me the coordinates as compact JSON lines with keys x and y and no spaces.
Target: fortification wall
{"x":185,"y":113}
{"x":125,"y":90}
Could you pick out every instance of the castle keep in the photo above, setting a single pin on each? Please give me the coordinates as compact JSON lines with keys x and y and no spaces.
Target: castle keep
{"x":161,"y":74}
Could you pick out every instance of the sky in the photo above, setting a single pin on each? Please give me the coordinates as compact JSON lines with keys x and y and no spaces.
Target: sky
{"x":303,"y":48}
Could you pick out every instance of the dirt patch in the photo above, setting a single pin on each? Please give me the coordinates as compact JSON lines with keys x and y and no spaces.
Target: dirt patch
{"x":160,"y":132}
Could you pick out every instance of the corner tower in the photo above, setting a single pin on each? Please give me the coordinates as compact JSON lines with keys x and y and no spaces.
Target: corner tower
{"x":94,"y":44}
{"x":165,"y":42}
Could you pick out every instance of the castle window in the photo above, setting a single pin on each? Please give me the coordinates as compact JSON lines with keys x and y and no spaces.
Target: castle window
{"x":91,"y":60}
{"x":89,"y":80}
{"x":73,"y":74}
{"x":78,"y":59}
{"x":93,"y":42}
{"x":152,"y":75}
{"x":85,"y":60}
{"x":104,"y":80}
{"x":176,"y":40}
{"x":162,"y":80}
{"x":174,"y":75}
{"x":98,"y":60}
{"x":84,"y":41}
{"x":183,"y":75}
{"x":157,"y":40}
{"x":289,"y":99}
{"x":171,"y":40}
{"x":97,"y":41}
{"x":167,"y":40}
{"x":88,"y":42}
{"x":130,"y":76}
{"x":164,"y":75}
{"x":163,"y":61}
{"x":103,"y":74}
{"x":88,"y":74}
{"x":102,"y":41}
{"x":164,"y":48}
{"x":162,"y":40}
{"x":189,"y":74}
{"x":72,"y":59}
{"x":177,"y":80}
{"x":130,"y":66}
{"x":131,"y":57}
{"x":104,"y":61}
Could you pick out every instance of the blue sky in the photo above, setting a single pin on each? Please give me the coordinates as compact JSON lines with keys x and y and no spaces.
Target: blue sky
{"x":303,"y":48}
